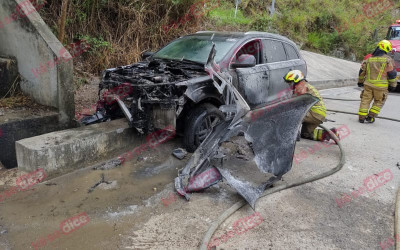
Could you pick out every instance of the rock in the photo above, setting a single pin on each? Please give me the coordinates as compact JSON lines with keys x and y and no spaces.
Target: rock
{"x":108,"y":186}
{"x":179,"y":153}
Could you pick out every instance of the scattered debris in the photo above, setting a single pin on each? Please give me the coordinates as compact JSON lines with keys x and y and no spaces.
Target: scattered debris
{"x":98,"y":183}
{"x":3,"y":230}
{"x":108,"y":164}
{"x":179,"y":153}
{"x":126,"y":211}
{"x":108,"y":186}
{"x":50,"y":184}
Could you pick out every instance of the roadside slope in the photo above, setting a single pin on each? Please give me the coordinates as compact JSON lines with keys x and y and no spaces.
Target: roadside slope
{"x":329,"y":72}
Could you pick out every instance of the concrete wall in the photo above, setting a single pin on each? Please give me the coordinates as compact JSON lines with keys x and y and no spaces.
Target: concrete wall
{"x":31,"y":42}
{"x":68,"y":150}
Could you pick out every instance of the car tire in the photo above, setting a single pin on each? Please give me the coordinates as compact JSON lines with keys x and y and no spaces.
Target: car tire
{"x":197,"y":127}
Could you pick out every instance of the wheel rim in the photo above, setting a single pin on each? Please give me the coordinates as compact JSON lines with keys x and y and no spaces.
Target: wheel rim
{"x":208,"y":123}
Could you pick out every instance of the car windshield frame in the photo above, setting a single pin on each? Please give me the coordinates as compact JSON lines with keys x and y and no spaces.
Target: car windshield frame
{"x":391,"y":31}
{"x":200,"y":54}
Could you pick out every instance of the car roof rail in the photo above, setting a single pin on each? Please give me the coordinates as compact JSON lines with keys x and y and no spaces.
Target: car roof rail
{"x":206,"y":31}
{"x":254,"y":32}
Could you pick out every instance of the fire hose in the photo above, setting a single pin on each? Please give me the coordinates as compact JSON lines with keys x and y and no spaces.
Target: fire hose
{"x":240,"y":204}
{"x":214,"y":226}
{"x":212,"y":229}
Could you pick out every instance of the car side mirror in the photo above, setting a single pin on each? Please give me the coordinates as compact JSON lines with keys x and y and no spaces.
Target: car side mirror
{"x":245,"y":61}
{"x":147,"y":54}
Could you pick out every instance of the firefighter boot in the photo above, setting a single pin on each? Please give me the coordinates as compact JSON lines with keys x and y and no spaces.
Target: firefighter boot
{"x":370,"y":119}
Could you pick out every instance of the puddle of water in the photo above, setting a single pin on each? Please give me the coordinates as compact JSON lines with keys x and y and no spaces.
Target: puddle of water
{"x":36,"y":213}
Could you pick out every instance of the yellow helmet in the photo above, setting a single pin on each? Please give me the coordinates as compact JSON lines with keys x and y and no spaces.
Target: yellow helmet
{"x":385,"y":45}
{"x":294,"y":76}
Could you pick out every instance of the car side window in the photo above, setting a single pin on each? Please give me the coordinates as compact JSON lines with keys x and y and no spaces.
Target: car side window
{"x":273,"y":51}
{"x":390,"y":34}
{"x":251,"y":48}
{"x":291,"y":52}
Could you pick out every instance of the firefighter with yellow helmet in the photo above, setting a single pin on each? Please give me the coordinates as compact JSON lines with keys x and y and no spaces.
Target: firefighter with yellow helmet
{"x":377,"y":73}
{"x":317,"y":113}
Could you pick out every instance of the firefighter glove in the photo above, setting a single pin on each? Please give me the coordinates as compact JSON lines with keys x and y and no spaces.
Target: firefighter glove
{"x":360,"y":84}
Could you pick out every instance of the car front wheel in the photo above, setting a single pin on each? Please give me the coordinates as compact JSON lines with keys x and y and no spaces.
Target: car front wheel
{"x":199,"y":124}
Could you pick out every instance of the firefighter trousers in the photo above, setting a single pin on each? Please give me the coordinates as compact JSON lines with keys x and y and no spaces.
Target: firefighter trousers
{"x":309,"y":129}
{"x":367,"y":95}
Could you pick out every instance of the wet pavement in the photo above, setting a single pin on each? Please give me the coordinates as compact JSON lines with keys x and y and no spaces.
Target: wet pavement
{"x":138,"y":208}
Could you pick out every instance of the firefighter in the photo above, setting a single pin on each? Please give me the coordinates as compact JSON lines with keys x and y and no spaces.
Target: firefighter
{"x":376,"y":74}
{"x":317,"y":113}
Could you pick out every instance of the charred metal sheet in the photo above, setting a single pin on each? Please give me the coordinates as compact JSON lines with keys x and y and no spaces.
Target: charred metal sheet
{"x":272,"y":138}
{"x":247,"y":189}
{"x":200,"y":160}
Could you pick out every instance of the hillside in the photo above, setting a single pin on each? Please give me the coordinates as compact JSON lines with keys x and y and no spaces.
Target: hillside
{"x":119,"y":31}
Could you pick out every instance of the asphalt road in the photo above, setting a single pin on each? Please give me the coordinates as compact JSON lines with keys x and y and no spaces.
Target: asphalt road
{"x":138,"y":208}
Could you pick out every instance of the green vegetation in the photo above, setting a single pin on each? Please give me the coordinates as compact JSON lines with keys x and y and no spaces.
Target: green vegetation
{"x":97,"y":45}
{"x":118,"y":31}
{"x":325,"y":26}
{"x":226,"y":16}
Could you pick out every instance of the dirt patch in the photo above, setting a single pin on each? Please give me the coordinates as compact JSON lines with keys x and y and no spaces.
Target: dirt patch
{"x":86,"y":96}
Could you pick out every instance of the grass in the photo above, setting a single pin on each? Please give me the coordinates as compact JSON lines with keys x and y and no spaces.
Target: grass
{"x":223,"y":17}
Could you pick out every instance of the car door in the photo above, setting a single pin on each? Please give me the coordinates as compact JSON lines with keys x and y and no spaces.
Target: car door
{"x":253,"y":83}
{"x":278,"y":65}
{"x":293,"y":56}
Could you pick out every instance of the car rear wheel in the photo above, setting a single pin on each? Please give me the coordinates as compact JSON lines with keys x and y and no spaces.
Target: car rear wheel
{"x":199,"y":124}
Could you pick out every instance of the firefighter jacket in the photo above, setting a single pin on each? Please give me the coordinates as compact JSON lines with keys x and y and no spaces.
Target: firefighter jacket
{"x":378,"y":72}
{"x":318,"y":110}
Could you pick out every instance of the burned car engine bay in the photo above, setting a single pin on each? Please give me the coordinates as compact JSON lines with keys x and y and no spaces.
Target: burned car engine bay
{"x":147,"y":89}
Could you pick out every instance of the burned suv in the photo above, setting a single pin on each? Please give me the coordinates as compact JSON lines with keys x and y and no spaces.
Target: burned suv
{"x":172,"y":87}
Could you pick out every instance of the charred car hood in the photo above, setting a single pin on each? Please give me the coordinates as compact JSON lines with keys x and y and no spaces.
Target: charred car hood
{"x":156,"y":71}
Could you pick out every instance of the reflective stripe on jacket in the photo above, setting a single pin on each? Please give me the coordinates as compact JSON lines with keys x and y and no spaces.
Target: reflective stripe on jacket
{"x":374,"y":71}
{"x":318,"y":110}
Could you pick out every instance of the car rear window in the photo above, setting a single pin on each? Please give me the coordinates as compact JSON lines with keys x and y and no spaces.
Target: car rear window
{"x":291,"y":52}
{"x":273,"y":51}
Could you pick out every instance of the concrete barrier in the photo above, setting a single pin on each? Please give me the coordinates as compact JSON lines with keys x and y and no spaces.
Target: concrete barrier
{"x":64,"y":151}
{"x":20,"y":125}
